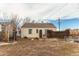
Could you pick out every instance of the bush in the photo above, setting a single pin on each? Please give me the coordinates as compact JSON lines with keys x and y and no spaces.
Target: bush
{"x":25,"y":37}
{"x":36,"y":38}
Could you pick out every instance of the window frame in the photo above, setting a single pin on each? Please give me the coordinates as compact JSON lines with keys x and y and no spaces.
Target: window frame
{"x":30,"y":31}
{"x":36,"y":30}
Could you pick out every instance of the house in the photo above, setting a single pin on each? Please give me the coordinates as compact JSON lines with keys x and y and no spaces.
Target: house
{"x":36,"y":30}
{"x":74,"y":32}
{"x":7,"y":31}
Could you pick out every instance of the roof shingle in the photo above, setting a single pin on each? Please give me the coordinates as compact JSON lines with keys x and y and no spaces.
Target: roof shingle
{"x":38,"y":25}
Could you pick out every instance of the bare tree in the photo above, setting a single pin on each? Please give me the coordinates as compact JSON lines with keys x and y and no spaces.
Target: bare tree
{"x":13,"y":23}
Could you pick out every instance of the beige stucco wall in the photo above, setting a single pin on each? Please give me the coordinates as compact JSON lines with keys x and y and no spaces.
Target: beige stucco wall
{"x":24,"y":32}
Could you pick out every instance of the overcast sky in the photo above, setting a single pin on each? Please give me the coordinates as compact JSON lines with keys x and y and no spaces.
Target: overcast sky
{"x":40,"y":10}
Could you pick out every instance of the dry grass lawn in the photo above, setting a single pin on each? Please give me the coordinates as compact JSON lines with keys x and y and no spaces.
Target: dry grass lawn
{"x":26,"y":47}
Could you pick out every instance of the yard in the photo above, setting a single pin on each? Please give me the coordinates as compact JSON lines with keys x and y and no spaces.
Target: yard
{"x":51,"y":47}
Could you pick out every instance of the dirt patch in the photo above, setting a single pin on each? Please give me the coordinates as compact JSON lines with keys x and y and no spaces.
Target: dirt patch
{"x":52,"y":47}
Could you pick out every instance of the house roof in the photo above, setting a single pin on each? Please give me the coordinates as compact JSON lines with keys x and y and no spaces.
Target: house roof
{"x":38,"y":25}
{"x":5,"y":22}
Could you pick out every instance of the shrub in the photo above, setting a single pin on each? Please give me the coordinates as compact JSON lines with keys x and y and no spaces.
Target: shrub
{"x":36,"y":38}
{"x":25,"y":37}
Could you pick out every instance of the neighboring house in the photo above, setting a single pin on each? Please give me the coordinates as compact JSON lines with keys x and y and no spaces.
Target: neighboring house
{"x":36,"y":30}
{"x":7,"y":31}
{"x":74,"y":32}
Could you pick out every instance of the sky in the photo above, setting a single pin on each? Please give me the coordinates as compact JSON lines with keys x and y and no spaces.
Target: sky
{"x":41,"y":10}
{"x":65,"y":24}
{"x":67,"y":12}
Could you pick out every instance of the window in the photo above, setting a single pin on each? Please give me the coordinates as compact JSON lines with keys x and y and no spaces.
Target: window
{"x":45,"y":31}
{"x":30,"y":31}
{"x":36,"y":30}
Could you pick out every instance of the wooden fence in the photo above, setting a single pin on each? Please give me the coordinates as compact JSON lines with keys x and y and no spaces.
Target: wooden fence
{"x":58,"y":34}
